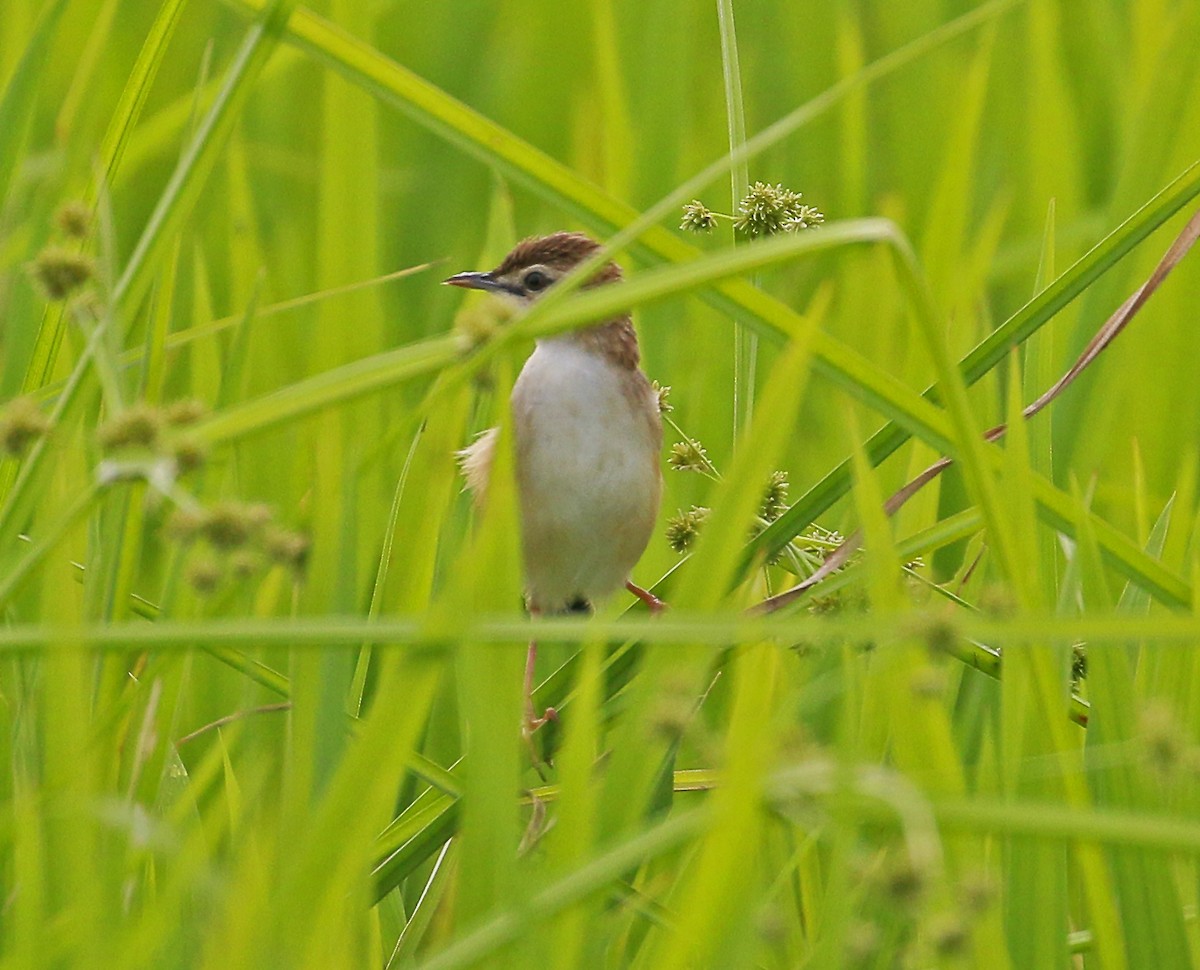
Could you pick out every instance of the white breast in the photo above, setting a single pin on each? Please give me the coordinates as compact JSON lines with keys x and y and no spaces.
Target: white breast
{"x":587,"y":440}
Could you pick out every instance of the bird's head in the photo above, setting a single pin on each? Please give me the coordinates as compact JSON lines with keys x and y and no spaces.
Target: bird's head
{"x":536,"y":264}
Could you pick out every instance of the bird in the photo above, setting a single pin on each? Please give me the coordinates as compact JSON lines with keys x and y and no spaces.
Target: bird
{"x":587,"y":436}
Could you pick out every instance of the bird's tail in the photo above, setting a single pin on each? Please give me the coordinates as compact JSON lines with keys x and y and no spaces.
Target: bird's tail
{"x":475,"y":462}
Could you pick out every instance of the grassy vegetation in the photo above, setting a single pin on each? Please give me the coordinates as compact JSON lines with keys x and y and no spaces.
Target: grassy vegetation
{"x":260,"y":662}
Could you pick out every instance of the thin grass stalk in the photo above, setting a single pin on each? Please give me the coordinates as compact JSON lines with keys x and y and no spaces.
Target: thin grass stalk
{"x":745,"y":341}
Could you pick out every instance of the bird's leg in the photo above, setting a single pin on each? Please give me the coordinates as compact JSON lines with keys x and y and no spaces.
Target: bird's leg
{"x":656,"y":605}
{"x":532,"y":721}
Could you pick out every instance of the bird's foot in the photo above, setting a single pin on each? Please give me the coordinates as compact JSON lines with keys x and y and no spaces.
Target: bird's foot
{"x":532,"y":723}
{"x":653,"y":602}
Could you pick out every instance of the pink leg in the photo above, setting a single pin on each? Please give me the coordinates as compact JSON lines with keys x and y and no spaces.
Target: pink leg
{"x":532,"y":721}
{"x":656,"y":605}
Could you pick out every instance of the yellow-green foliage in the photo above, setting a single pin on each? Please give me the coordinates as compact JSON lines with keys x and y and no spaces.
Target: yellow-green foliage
{"x":261,"y":659}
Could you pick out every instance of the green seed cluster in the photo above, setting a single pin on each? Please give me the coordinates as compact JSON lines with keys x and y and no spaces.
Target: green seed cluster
{"x":21,"y":424}
{"x":684,"y":527}
{"x":697,"y":217}
{"x":74,"y":220}
{"x":898,"y":907}
{"x":663,"y":393}
{"x":770,"y":209}
{"x":1165,"y":745}
{"x":61,"y":270}
{"x":238,"y":539}
{"x":688,"y":456}
{"x":143,"y":428}
{"x":774,"y":501}
{"x":766,"y":210}
{"x":138,"y":426}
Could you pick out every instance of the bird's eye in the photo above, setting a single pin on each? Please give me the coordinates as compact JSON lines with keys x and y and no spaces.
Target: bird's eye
{"x":535,"y":280}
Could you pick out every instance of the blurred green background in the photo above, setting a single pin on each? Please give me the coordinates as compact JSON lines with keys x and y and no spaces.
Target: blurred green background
{"x":233,"y":169}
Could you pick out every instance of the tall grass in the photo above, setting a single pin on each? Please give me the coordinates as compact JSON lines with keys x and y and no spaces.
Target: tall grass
{"x":260,"y":667}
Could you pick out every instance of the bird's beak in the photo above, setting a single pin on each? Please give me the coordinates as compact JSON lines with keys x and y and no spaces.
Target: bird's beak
{"x":475,"y":281}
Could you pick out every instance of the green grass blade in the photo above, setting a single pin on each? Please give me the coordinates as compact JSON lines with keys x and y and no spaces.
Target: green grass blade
{"x":20,"y":95}
{"x":1014,"y":332}
{"x":183,"y":188}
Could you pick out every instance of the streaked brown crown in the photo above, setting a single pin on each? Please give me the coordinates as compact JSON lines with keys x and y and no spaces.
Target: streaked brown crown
{"x":561,"y":251}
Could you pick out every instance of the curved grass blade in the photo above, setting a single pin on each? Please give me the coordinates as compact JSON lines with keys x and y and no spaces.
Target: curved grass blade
{"x":169,"y":213}
{"x":1014,"y":331}
{"x":189,"y":177}
{"x":112,"y":150}
{"x":881,"y":391}
{"x":479,"y":135}
{"x":1103,"y":337}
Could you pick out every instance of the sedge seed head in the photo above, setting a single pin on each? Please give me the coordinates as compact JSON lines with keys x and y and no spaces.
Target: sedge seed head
{"x":74,"y":219}
{"x":684,"y":527}
{"x":937,"y":630}
{"x":245,"y":563}
{"x":287,"y":548}
{"x":1079,"y":663}
{"x":138,"y":426}
{"x":949,"y":935}
{"x":862,"y":943}
{"x":904,"y":884}
{"x":184,"y":412}
{"x":59,"y":271}
{"x":189,"y":454}
{"x":184,"y":525}
{"x":204,"y":574}
{"x":21,"y":424}
{"x":671,"y":716}
{"x":697,"y":217}
{"x":688,"y":456}
{"x":663,"y":393}
{"x":775,"y":496}
{"x":478,"y":323}
{"x":977,"y":892}
{"x":803,"y":217}
{"x":230,"y":525}
{"x":1163,"y":741}
{"x":761,"y":213}
{"x":770,"y":209}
